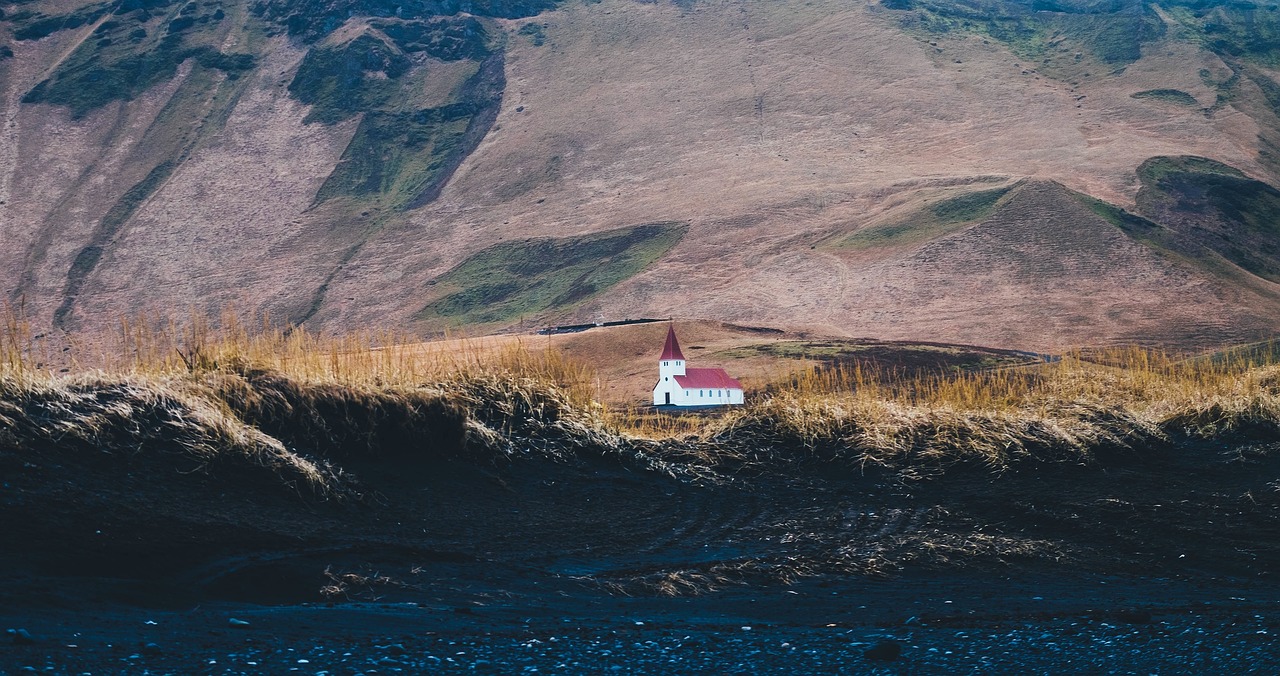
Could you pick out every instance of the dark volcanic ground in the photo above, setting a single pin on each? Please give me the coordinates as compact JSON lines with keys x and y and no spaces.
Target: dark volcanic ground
{"x":1158,"y":561}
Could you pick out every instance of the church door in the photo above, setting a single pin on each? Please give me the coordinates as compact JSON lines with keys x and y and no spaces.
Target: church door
{"x":668,"y":399}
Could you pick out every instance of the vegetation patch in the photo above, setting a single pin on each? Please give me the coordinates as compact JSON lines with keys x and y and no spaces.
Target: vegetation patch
{"x":34,"y":26}
{"x":1240,"y":29}
{"x":397,"y":155}
{"x":935,"y":220}
{"x":445,"y":38}
{"x":1175,"y":96}
{"x":969,"y":207}
{"x":1157,"y":169}
{"x":534,"y":31}
{"x":311,"y":20}
{"x":1070,"y":39}
{"x":366,"y":74}
{"x":403,"y":157}
{"x":1058,"y":37}
{"x":341,"y":82}
{"x":1214,"y":208}
{"x":132,"y":52}
{"x":513,"y":279}
{"x":1136,"y":226}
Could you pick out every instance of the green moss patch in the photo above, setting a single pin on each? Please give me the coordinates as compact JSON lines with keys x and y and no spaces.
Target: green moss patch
{"x":341,"y":82}
{"x":399,"y":152}
{"x":367,"y":73}
{"x":311,"y":20}
{"x":34,"y":26}
{"x":935,"y":220}
{"x":130,"y":53}
{"x":1174,"y":96}
{"x":397,"y":155}
{"x":513,"y":279}
{"x":1060,"y":38}
{"x":1214,"y":209}
{"x":1239,"y":29}
{"x":1157,"y":169}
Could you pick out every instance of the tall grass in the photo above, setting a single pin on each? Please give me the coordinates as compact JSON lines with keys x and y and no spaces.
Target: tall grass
{"x":1078,"y":404}
{"x":385,"y":359}
{"x":255,"y":395}
{"x":513,"y":397}
{"x":14,"y":341}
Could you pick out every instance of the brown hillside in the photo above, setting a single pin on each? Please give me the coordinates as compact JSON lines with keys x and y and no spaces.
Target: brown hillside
{"x":767,"y":127}
{"x":1059,"y":274}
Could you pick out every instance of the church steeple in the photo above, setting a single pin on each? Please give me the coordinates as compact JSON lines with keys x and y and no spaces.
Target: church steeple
{"x":671,"y":351}
{"x":671,"y":363}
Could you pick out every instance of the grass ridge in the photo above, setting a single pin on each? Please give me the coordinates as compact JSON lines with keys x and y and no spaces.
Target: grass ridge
{"x":300,"y":406}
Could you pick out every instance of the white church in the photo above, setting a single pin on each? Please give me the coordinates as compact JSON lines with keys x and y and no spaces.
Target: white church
{"x":681,"y":386}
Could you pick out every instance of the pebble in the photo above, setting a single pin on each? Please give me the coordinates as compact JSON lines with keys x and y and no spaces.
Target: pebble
{"x":1173,"y":643}
{"x":21,"y":637}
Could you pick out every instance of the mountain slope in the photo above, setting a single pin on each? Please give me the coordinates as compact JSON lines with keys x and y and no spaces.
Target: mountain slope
{"x":333,"y":161}
{"x":1063,"y":274}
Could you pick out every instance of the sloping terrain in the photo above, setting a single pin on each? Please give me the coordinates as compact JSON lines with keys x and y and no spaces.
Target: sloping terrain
{"x":340,"y":162}
{"x":1070,"y":271}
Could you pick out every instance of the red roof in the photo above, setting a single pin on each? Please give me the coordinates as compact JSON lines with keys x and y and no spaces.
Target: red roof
{"x":672,"y":349}
{"x":708,"y":379}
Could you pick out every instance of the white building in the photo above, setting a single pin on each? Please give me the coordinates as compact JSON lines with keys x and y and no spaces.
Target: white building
{"x":681,"y":386}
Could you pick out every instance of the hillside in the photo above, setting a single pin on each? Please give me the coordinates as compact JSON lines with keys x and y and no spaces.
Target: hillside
{"x":984,"y":173}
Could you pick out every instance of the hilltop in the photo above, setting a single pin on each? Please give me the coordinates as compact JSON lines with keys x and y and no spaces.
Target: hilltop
{"x":1029,"y":175}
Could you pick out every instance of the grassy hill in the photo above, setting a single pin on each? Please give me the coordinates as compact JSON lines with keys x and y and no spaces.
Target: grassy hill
{"x":909,"y":169}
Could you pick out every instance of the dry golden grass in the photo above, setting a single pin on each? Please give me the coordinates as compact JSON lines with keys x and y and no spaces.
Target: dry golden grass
{"x":272,"y":390}
{"x":285,"y":400}
{"x":1076,"y":405}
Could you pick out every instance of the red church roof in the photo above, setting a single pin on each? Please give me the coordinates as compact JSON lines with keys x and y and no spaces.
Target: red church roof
{"x":672,"y":349}
{"x":709,"y":379}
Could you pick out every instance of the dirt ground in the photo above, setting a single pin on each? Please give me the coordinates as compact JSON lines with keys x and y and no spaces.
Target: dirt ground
{"x":1150,"y":560}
